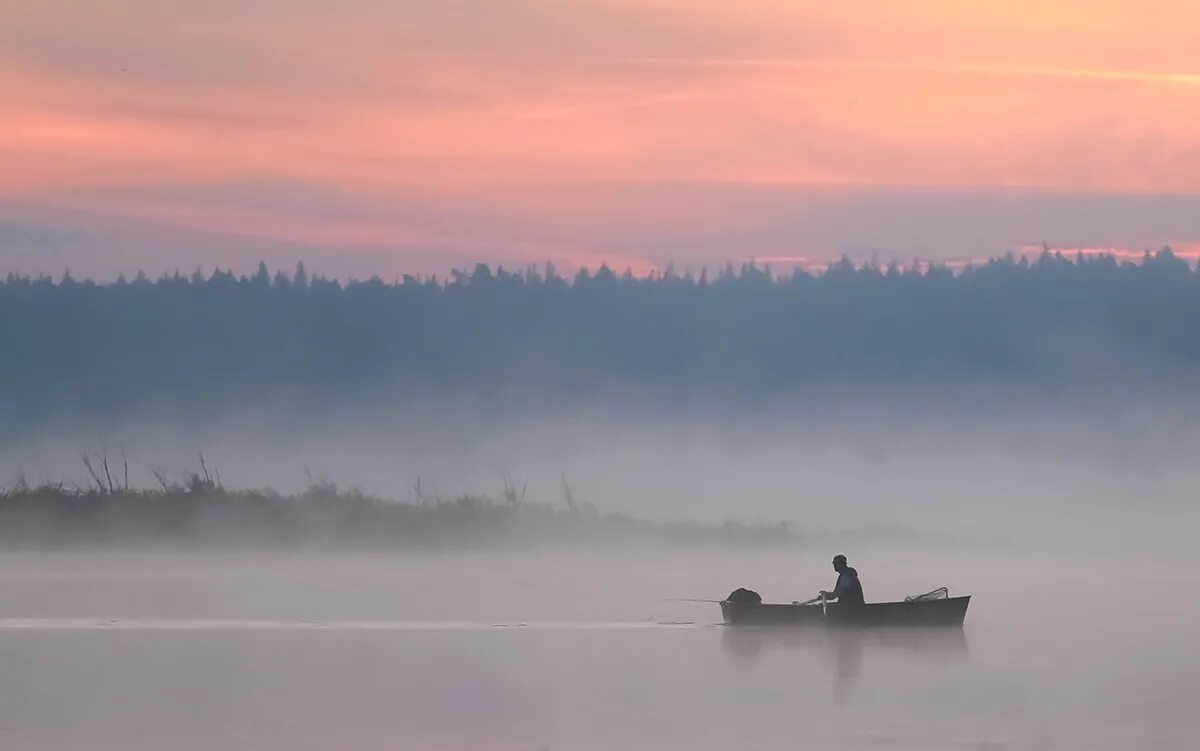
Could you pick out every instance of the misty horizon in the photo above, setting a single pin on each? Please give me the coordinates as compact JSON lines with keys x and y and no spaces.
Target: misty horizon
{"x":835,"y":400}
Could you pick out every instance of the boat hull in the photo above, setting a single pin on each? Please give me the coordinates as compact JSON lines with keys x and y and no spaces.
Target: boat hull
{"x":949,"y":612}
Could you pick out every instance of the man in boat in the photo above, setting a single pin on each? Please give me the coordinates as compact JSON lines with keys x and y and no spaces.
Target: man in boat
{"x":848,"y":591}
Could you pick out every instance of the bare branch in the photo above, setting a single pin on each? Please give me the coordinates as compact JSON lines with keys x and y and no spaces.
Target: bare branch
{"x":87,"y":462}
{"x":568,"y":496}
{"x":107,"y":474}
{"x":207,"y":477}
{"x":162,"y":480}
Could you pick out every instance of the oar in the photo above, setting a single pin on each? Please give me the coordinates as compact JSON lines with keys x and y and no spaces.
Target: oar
{"x":813,"y":601}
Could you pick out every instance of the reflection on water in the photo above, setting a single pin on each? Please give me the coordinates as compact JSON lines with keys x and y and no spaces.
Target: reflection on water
{"x":848,"y":647}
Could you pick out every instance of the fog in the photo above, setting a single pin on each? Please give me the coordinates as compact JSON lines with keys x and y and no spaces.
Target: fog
{"x":1073,"y":530}
{"x":424,"y":524}
{"x":1113,"y":477}
{"x":580,"y":650}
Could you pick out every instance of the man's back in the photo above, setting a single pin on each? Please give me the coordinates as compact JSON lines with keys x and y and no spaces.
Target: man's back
{"x":849,"y":589}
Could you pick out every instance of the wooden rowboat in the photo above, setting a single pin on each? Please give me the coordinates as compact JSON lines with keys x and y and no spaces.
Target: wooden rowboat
{"x":950,"y":611}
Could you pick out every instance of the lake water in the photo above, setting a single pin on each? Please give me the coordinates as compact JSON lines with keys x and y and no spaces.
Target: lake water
{"x":581,"y":651}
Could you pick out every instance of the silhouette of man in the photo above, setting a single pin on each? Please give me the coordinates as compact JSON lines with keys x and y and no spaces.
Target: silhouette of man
{"x":848,"y":591}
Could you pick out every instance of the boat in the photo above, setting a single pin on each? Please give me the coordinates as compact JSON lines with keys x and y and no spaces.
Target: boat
{"x":947,"y":611}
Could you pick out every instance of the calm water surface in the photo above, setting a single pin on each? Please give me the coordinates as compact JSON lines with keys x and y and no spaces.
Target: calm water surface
{"x":562,"y":651}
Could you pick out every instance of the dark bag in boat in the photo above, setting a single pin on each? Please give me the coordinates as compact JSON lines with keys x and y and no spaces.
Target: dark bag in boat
{"x":746,"y":596}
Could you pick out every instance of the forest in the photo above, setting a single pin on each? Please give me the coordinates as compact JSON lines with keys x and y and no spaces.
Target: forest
{"x":205,"y":342}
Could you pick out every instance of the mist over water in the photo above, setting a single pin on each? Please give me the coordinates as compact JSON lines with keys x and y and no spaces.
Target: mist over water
{"x":1075,"y":537}
{"x":1117,"y":476}
{"x":428,"y":651}
{"x":1044,"y":467}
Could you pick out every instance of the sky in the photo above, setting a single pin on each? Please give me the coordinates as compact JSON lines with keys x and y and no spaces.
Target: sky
{"x":388,"y":137}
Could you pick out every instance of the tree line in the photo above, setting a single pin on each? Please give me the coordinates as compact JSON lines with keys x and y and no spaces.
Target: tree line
{"x":218,"y":340}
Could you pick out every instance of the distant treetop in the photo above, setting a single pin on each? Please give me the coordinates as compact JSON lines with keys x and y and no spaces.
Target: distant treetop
{"x":207,"y":341}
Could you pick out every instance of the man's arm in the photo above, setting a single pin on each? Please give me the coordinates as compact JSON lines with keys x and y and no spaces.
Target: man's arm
{"x":837,"y":589}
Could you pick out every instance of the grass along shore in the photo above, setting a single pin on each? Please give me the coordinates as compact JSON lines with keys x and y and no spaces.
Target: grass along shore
{"x":201,"y":511}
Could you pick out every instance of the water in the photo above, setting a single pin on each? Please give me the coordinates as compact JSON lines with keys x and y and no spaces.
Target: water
{"x":580,"y":651}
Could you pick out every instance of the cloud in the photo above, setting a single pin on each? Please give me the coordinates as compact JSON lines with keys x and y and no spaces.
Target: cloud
{"x":643,"y":129}
{"x":17,"y":234}
{"x":420,"y":229}
{"x":1168,"y":78}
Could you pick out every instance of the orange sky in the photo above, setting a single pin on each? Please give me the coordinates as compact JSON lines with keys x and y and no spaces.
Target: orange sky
{"x":370,"y":136}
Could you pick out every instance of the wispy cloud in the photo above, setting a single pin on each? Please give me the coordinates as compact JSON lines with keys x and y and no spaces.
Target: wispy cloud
{"x":929,"y":68}
{"x":645,"y":130}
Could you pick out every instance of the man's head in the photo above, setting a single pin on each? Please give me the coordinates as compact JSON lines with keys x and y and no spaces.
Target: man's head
{"x":839,"y":563}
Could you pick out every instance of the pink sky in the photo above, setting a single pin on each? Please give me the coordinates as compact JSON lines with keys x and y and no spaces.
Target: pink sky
{"x":370,"y":136}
